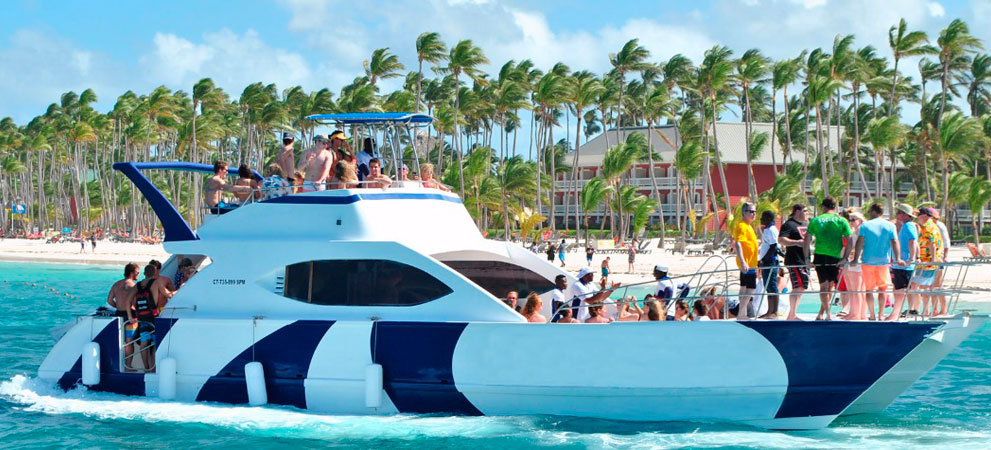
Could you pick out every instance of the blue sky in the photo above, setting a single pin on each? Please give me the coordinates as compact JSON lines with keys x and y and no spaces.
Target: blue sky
{"x":48,"y":47}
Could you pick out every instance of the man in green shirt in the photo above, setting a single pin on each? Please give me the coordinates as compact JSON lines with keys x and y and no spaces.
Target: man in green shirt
{"x":827,"y":231}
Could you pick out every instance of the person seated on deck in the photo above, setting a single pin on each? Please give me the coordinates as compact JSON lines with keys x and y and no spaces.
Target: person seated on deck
{"x":185,"y":271}
{"x":316,"y":163}
{"x":246,"y":179}
{"x":297,"y":182}
{"x":404,"y":173}
{"x":597,"y":315}
{"x":375,"y":178}
{"x":698,"y":311}
{"x":655,"y":310}
{"x":216,"y":185}
{"x":365,"y":157}
{"x":681,"y":312}
{"x":712,"y":303}
{"x":344,"y":177}
{"x":427,"y":178}
{"x":512,"y":300}
{"x":274,"y":185}
{"x":532,"y":309}
{"x":566,"y":315}
{"x":629,"y":310}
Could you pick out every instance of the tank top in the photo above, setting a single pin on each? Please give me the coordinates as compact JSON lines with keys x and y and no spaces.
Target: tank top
{"x":144,"y":303}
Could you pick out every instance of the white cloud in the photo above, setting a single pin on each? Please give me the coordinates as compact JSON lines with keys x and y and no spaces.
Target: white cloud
{"x":936,"y":9}
{"x":232,"y":60}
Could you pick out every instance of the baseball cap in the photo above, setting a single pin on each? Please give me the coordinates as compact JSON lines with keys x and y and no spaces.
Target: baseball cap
{"x":906,"y":209}
{"x":661,"y":268}
{"x":927,"y":211}
{"x":583,"y":272}
{"x":287,"y":135}
{"x":337,"y":134}
{"x":319,"y":137}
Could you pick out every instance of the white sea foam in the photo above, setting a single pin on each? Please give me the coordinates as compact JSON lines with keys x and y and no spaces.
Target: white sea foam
{"x":36,"y":396}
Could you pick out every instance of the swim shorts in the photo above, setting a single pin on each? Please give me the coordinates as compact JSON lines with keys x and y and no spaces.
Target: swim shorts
{"x":900,"y":278}
{"x":799,"y":277}
{"x":748,"y":279}
{"x":876,"y":277}
{"x":926,"y":278}
{"x":826,"y":268}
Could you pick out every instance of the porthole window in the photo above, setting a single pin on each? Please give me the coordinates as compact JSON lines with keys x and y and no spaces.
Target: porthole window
{"x":498,"y":278}
{"x":361,"y":282}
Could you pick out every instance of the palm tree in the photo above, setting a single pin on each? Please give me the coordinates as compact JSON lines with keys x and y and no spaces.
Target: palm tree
{"x":904,"y":43}
{"x":593,"y":193}
{"x":884,"y":133}
{"x":955,"y":44}
{"x":977,"y":81}
{"x":464,"y":58}
{"x":518,"y":187}
{"x":715,"y":71}
{"x":751,"y":69}
{"x":382,"y":65}
{"x":958,"y":135}
{"x":629,"y":59}
{"x":429,"y":48}
{"x":582,"y":90}
{"x":689,"y":161}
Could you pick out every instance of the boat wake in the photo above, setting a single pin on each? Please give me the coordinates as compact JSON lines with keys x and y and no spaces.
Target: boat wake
{"x":35,"y":396}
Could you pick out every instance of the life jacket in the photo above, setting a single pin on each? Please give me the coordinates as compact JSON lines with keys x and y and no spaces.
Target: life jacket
{"x":144,"y":303}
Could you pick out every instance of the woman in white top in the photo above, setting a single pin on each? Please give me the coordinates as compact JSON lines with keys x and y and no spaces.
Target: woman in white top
{"x":852,"y":281}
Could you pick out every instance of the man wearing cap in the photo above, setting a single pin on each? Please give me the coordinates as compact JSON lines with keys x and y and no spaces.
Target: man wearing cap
{"x":908,"y":242}
{"x":745,"y":247}
{"x":828,"y":231}
{"x":584,"y":292}
{"x":316,"y":163}
{"x":930,"y":250}
{"x":287,"y":158}
{"x":665,"y":290}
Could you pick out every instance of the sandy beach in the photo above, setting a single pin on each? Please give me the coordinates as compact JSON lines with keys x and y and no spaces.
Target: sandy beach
{"x":117,"y":253}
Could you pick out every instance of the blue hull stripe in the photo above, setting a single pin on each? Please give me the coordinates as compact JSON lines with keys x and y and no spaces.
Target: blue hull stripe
{"x":285,"y":355}
{"x":416,"y":361}
{"x":828,"y":367}
{"x":111,"y":378}
{"x":353,"y":198}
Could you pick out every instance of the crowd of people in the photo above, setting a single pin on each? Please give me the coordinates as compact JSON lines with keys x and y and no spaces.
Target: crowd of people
{"x":869,"y":264}
{"x":329,"y":163}
{"x":139,"y":302}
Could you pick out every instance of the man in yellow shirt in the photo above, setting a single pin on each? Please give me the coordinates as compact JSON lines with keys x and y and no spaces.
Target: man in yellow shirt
{"x":745,"y":246}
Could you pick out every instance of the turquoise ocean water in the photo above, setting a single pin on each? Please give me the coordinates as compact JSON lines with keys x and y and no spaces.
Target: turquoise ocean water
{"x":948,"y":408}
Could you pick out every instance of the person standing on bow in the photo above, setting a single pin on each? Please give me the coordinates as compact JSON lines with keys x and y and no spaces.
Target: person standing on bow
{"x":792,"y":238}
{"x":827,"y":231}
{"x":745,"y":247}
{"x":908,"y":242}
{"x":876,"y":246}
{"x":930,"y":250}
{"x":767,"y":257}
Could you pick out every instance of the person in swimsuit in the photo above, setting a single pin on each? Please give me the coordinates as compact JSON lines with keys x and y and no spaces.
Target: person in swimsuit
{"x":605,"y":268}
{"x":316,"y":163}
{"x":560,"y":252}
{"x":427,"y":178}
{"x":147,"y":295}
{"x":216,"y":185}
{"x":120,"y":298}
{"x":165,"y":281}
{"x":375,"y":178}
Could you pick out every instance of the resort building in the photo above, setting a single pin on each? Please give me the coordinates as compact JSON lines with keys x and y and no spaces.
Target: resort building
{"x":732,"y":143}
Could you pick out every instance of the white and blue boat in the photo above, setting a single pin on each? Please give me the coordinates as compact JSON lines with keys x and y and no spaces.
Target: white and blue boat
{"x":385,"y":301}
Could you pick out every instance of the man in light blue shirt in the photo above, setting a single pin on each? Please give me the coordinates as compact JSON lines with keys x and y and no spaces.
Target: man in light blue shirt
{"x":908,"y":241}
{"x":878,"y":243}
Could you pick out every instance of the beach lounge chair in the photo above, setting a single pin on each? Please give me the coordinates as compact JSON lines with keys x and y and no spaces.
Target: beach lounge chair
{"x":976,"y":254}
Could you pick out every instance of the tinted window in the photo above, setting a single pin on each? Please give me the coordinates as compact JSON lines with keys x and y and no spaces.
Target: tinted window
{"x":498,"y":278}
{"x":361,"y":282}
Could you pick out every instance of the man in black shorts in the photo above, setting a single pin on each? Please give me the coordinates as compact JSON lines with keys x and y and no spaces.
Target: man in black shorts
{"x":828,"y":231}
{"x":792,"y":238}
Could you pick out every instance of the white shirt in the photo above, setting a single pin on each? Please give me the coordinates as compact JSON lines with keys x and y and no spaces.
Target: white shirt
{"x":945,"y":234}
{"x":583,"y":292}
{"x":557,"y":299}
{"x":667,"y":291}
{"x":768,"y":237}
{"x":700,"y":318}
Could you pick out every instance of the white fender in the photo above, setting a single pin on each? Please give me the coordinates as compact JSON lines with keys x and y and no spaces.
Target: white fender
{"x":254,"y":377}
{"x":373,"y":385}
{"x":166,"y":378}
{"x":91,"y":364}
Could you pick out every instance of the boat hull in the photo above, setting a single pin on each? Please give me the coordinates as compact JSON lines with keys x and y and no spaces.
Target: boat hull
{"x":916,"y":364}
{"x":756,"y":373}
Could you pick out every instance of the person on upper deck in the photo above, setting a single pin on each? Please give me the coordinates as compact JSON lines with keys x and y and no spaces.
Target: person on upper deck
{"x":375,"y":178}
{"x":274,"y":185}
{"x":344,"y":176}
{"x":365,"y":157}
{"x":245,"y":178}
{"x":404,"y":173}
{"x":287,"y":158}
{"x":427,"y":178}
{"x":216,"y":185}
{"x":316,"y":162}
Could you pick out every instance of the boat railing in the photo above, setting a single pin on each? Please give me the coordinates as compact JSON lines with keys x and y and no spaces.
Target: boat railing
{"x":707,"y":289}
{"x":137,"y":348}
{"x":260,"y":194}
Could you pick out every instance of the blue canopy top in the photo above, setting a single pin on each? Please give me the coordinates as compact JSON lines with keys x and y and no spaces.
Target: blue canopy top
{"x":371,"y":118}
